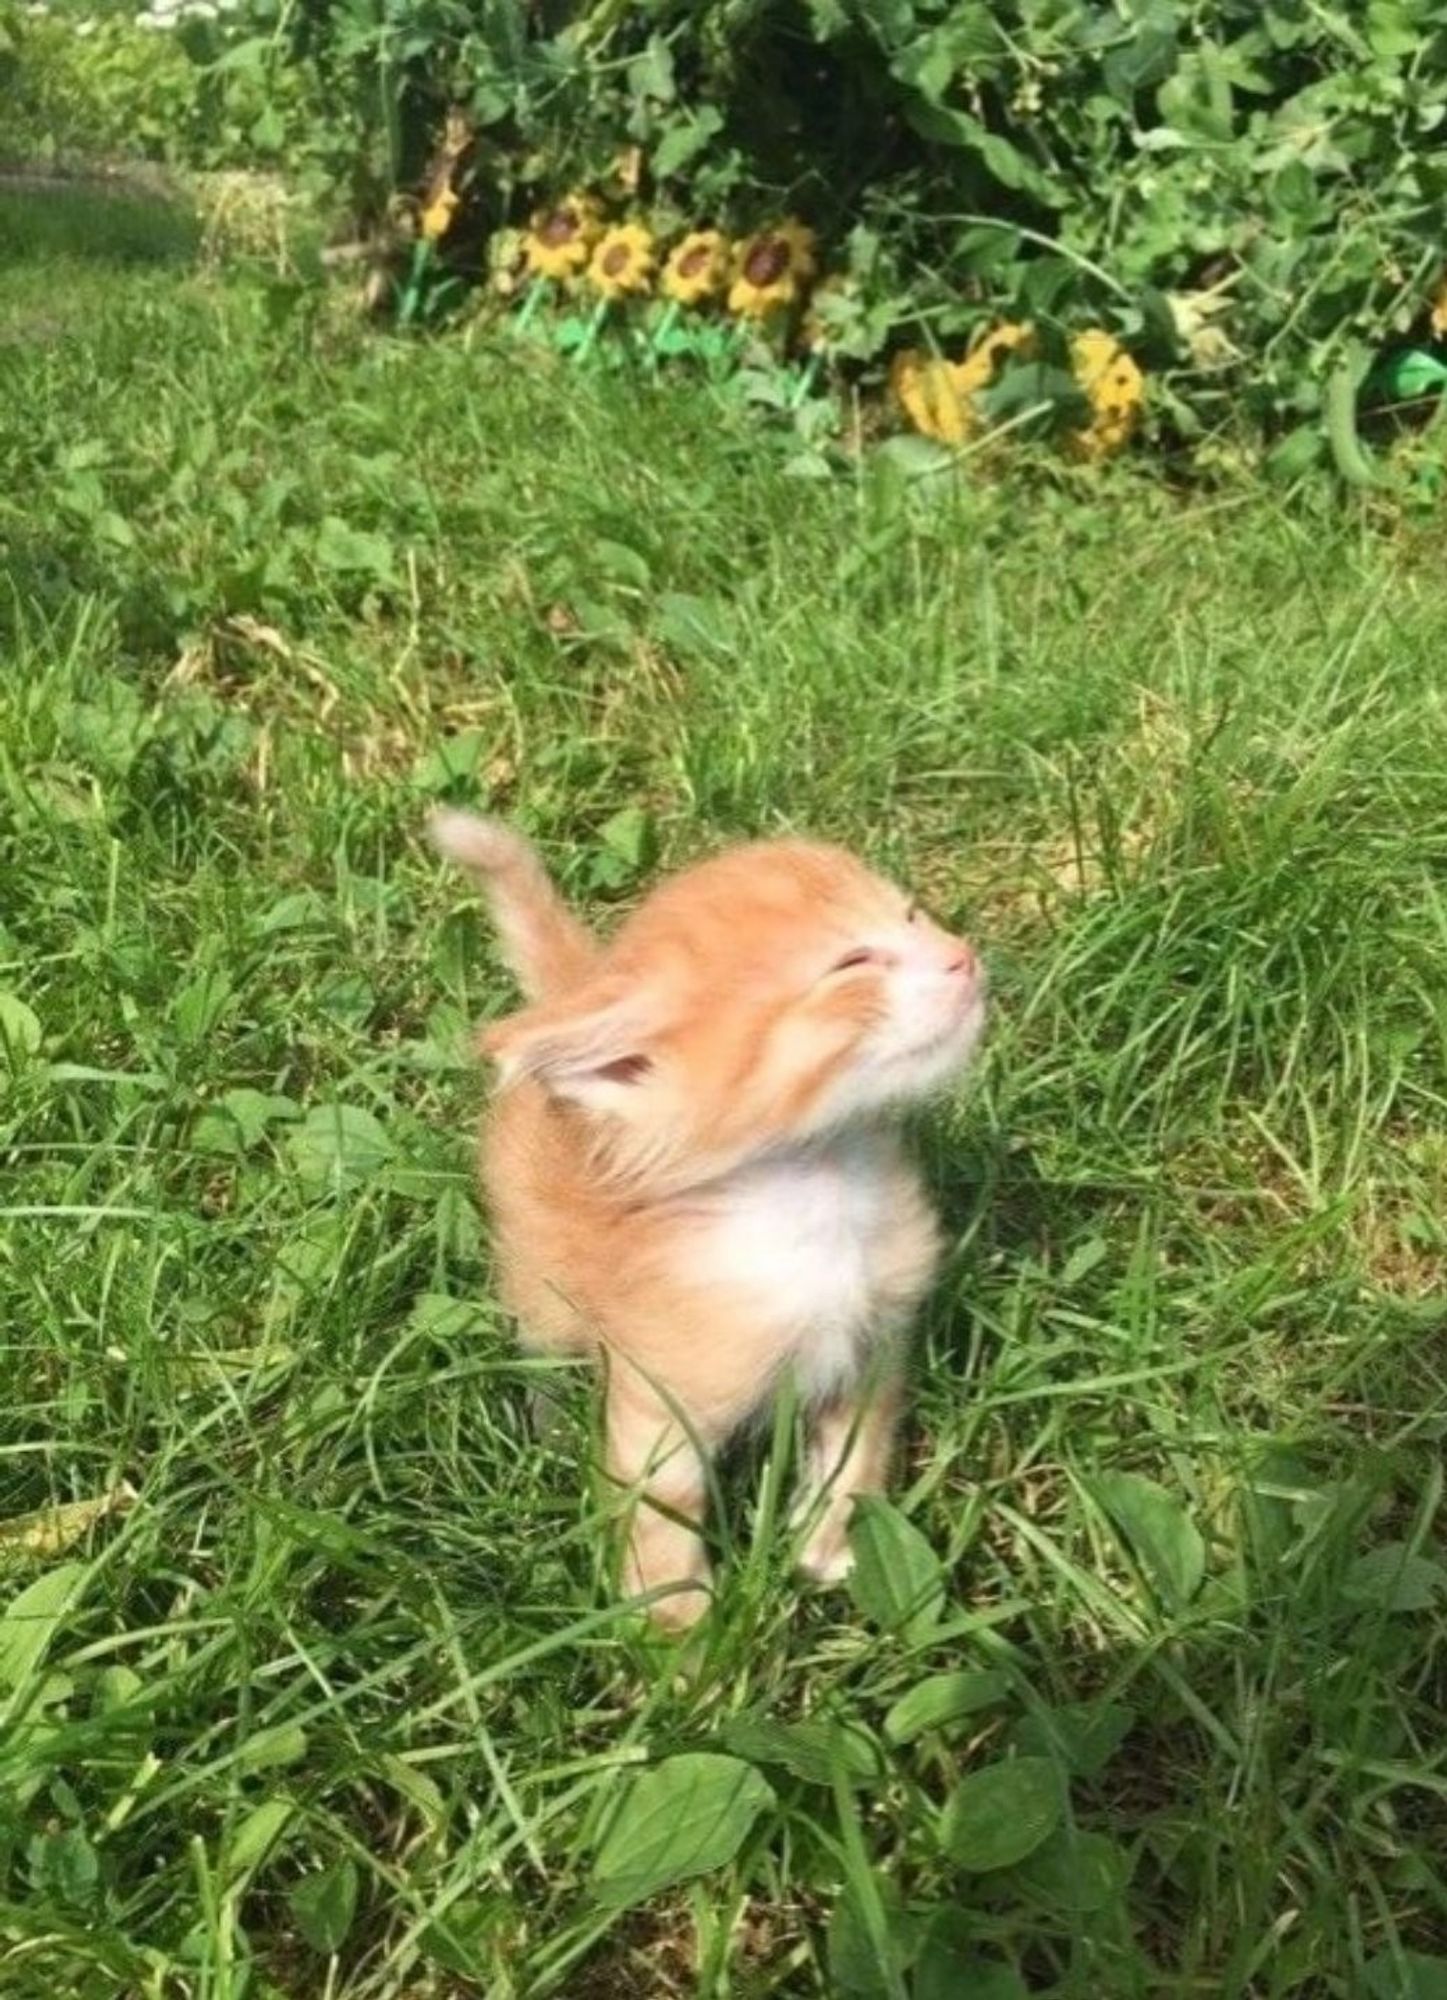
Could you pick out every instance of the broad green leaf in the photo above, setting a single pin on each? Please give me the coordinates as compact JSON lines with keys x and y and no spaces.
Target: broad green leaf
{"x":1392,"y":1578}
{"x":270,"y":1749}
{"x":858,"y":1969}
{"x":687,"y":1816}
{"x":1076,"y":1871}
{"x":200,"y":1004}
{"x":995,"y":1817}
{"x":19,"y":1032}
{"x":460,"y":1939}
{"x":918,"y":458}
{"x":816,"y":1750}
{"x":352,"y":551}
{"x":693,"y":624}
{"x":29,"y":1621}
{"x":948,"y":1966}
{"x":444,"y":1319}
{"x":943,"y":1699}
{"x":338,"y":1145}
{"x":1162,"y":1535}
{"x":685,"y":139}
{"x":240,"y":1120}
{"x":1406,"y":1975}
{"x":1082,"y":1261}
{"x":453,"y":758}
{"x":897,"y":1579}
{"x":629,"y":835}
{"x":1083,"y":1736}
{"x":255,"y":1836}
{"x":63,"y":1864}
{"x":323,"y":1905}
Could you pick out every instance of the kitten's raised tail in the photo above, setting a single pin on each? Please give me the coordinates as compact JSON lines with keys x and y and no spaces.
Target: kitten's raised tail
{"x":542,"y":941}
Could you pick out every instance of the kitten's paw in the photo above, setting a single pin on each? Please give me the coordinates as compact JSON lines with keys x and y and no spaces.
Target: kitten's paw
{"x":826,"y":1558}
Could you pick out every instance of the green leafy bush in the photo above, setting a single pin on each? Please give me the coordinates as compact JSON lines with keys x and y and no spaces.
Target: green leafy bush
{"x":189,"y":88}
{"x":1249,"y":195}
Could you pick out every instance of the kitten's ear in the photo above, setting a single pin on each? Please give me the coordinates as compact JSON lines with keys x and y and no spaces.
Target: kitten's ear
{"x":595,"y":1048}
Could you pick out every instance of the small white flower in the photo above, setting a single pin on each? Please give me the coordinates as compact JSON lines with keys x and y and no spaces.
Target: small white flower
{"x":85,"y":27}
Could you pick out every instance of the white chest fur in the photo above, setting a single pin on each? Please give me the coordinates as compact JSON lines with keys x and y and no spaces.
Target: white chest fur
{"x":811,"y":1240}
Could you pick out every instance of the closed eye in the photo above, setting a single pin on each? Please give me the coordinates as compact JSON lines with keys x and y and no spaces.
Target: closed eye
{"x":861,"y":956}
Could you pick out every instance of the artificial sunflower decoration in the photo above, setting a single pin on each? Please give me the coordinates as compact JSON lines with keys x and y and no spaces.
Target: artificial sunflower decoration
{"x":767,"y":275}
{"x":697,"y":269}
{"x":1438,"y":318}
{"x":436,"y":217}
{"x":1114,"y":388}
{"x":981,"y":365}
{"x":926,"y":388}
{"x":561,"y":239}
{"x":623,"y":261}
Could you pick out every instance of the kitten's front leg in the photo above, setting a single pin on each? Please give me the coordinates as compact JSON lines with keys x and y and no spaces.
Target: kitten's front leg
{"x":651,"y":1452}
{"x":851,"y":1442}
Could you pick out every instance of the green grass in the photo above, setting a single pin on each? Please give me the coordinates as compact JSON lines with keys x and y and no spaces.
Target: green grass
{"x":1182,"y":769}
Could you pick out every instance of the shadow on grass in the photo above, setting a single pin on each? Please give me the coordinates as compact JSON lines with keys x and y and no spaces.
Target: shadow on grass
{"x":100,"y":220}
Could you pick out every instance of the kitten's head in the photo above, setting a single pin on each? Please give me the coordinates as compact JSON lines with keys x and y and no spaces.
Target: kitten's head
{"x":766,"y":996}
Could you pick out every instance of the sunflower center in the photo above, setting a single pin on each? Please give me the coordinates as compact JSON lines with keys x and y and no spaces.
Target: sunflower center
{"x":615,"y":261}
{"x":694,"y":262}
{"x":560,"y":227}
{"x":767,"y":262}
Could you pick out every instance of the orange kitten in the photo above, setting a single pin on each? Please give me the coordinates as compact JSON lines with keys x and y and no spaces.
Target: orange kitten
{"x":694,"y":1167}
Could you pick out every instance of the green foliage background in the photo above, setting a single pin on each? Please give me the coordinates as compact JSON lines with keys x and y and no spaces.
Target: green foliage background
{"x":1057,"y":160}
{"x":1249,"y":195}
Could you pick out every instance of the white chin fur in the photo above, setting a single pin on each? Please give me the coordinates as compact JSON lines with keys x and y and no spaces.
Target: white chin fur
{"x":900,"y":1072}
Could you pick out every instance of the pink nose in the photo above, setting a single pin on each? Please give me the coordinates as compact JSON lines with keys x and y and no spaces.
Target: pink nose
{"x":962,"y":959}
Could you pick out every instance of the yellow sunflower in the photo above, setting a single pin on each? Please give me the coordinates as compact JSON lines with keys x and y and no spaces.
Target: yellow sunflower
{"x":1438,"y":321}
{"x":436,"y":218}
{"x":765,"y":278}
{"x":561,"y":238}
{"x":623,"y":261}
{"x":926,"y":388}
{"x":1114,"y":388}
{"x":698,"y":268}
{"x":980,"y":366}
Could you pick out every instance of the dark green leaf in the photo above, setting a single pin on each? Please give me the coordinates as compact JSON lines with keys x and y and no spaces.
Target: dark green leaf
{"x":817,"y":1750}
{"x":339,"y":1145}
{"x":1084,"y":1736}
{"x":352,"y":551}
{"x":948,"y":1965}
{"x":694,"y":624}
{"x":29,"y":1621}
{"x":19,"y":1031}
{"x":897,"y":1579}
{"x":323,"y":1905}
{"x":1406,"y":1975}
{"x":685,"y":140}
{"x":686,"y":1817}
{"x":1076,"y":1871}
{"x":863,"y":1965}
{"x":943,"y":1699}
{"x":1162,"y":1536}
{"x":998,"y":1815}
{"x":1392,"y":1578}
